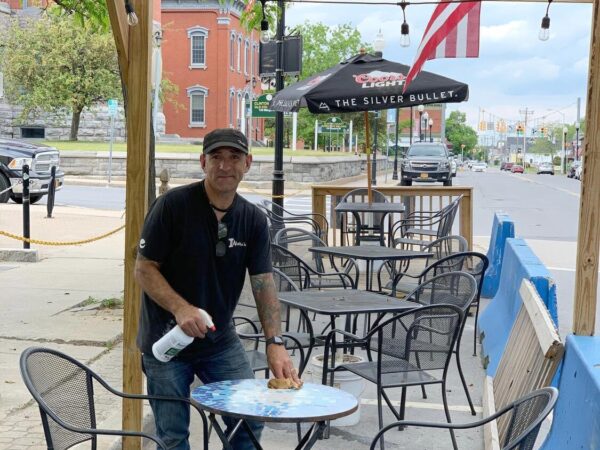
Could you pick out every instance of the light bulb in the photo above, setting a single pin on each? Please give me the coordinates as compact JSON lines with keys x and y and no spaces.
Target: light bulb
{"x":545,"y":30}
{"x":404,"y":36}
{"x":132,"y":18}
{"x":264,"y":32}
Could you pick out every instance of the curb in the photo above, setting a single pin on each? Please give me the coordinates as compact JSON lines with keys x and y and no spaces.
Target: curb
{"x":19,"y":255}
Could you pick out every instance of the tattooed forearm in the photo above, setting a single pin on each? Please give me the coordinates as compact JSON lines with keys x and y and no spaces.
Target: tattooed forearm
{"x":265,"y":295}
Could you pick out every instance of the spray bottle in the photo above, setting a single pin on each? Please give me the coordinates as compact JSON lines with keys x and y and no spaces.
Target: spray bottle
{"x":176,"y":340}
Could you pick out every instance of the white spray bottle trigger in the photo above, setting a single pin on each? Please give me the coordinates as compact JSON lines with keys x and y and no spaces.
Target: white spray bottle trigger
{"x":208,"y":320}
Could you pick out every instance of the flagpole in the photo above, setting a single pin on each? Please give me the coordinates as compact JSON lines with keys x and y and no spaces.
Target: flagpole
{"x":368,"y":150}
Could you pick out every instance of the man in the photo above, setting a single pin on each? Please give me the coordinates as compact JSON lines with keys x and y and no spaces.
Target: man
{"x":196,"y":245}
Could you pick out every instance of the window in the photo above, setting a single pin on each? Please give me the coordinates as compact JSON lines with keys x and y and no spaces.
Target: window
{"x":231,"y":106}
{"x":197,"y":37}
{"x":232,"y":51}
{"x":238,"y":107}
{"x":246,"y":57}
{"x":197,"y":95}
{"x":239,"y":54}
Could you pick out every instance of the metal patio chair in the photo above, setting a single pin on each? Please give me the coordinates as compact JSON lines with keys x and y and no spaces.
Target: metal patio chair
{"x":65,"y":391}
{"x":402,"y":351}
{"x":348,"y":226}
{"x":525,"y":415}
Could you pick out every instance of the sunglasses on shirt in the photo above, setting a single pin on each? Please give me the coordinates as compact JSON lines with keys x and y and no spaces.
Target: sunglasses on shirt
{"x":221,"y":248}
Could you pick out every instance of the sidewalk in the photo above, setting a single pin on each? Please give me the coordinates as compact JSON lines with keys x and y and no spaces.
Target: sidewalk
{"x":55,"y":303}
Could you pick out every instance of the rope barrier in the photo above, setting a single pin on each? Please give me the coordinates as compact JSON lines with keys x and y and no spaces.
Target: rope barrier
{"x":57,"y":243}
{"x":10,"y":187}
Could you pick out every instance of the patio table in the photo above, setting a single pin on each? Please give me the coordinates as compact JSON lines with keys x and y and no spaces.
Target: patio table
{"x":253,"y":400}
{"x":356,"y":208}
{"x":371,"y":254}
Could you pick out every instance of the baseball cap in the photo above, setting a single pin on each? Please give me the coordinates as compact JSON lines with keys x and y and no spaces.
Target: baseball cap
{"x":225,"y":137}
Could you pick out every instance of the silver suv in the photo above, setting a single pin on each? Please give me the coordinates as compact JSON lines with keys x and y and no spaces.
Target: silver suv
{"x":426,"y":161}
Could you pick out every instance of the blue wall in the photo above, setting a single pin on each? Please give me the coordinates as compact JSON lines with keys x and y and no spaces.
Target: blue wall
{"x":502,"y":229}
{"x":496,"y":321}
{"x":576,"y":422}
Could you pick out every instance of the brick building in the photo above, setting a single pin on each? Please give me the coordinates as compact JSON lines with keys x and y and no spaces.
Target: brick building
{"x":214,"y":62}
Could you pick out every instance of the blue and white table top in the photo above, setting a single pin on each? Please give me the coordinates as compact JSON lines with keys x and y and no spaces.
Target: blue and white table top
{"x":252,"y":399}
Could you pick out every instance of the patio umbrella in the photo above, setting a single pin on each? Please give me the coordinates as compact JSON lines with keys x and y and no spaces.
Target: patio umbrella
{"x":365,"y":83}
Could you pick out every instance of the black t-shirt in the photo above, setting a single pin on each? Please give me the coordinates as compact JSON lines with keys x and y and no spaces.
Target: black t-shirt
{"x":180,"y":232}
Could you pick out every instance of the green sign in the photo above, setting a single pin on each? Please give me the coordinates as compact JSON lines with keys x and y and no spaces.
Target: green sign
{"x":333,"y":125}
{"x":260,"y":106}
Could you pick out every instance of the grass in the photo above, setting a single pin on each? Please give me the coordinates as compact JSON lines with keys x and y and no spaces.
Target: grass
{"x":106,"y":303}
{"x":88,"y":146}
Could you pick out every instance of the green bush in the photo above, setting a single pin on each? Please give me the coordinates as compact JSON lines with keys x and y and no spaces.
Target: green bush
{"x":556,"y":161}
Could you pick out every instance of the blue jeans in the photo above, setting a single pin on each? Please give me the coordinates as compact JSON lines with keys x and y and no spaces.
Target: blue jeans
{"x":175,"y":377}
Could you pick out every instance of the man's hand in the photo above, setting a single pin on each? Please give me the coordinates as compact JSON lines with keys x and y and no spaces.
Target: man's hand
{"x":191,"y":320}
{"x":280,"y":363}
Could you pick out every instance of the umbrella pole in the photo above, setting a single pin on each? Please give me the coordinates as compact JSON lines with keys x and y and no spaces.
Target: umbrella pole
{"x":368,"y":150}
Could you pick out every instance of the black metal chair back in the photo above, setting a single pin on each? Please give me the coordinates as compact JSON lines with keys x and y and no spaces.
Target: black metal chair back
{"x":298,"y":241}
{"x":347,"y":223}
{"x":525,"y":417}
{"x":65,"y":391}
{"x":289,"y":264}
{"x":279,"y":218}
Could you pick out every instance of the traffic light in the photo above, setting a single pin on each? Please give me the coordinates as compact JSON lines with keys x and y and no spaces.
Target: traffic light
{"x":543,"y":131}
{"x":520,"y":128}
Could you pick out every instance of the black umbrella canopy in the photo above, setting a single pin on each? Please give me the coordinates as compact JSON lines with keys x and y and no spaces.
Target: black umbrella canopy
{"x":367,"y":83}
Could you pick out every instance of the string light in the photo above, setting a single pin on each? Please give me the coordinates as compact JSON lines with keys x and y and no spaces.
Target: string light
{"x":404,"y":30}
{"x":132,"y":18}
{"x":264,"y":25}
{"x":545,"y":29}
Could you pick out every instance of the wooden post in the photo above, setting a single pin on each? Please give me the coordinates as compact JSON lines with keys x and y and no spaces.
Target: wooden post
{"x":138,"y":143}
{"x":466,"y":218}
{"x":588,"y":239}
{"x":120,"y":30}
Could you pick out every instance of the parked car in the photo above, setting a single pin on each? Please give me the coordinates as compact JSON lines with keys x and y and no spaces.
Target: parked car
{"x":545,"y":167}
{"x":478,"y":166}
{"x":14,"y":154}
{"x":516,"y":168}
{"x":573,"y":169}
{"x":579,"y":172}
{"x":426,"y":161}
{"x":506,"y":165}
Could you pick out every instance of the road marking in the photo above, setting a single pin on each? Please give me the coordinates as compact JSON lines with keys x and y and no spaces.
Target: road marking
{"x":566,"y":191}
{"x":423,"y":405}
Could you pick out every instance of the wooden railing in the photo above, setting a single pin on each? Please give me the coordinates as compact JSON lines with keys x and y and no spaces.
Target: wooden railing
{"x":416,"y":198}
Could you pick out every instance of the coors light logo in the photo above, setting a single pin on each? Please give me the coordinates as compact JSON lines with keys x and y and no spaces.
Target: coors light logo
{"x":377,"y":78}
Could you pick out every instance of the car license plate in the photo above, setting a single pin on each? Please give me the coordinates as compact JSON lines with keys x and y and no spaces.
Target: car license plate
{"x":424,"y":175}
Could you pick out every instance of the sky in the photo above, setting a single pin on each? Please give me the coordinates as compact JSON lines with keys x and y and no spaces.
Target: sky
{"x":515,"y":70}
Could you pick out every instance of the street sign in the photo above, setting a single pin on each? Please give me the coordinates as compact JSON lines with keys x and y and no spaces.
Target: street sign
{"x":112,"y":107}
{"x":260,"y":106}
{"x":391,"y":116}
{"x":334,"y":125}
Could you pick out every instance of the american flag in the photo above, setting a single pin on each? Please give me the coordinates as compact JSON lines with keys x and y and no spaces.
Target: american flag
{"x":452,"y":32}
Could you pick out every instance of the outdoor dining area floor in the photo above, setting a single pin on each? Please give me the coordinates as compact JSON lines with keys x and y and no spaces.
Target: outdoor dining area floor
{"x":283,"y":436}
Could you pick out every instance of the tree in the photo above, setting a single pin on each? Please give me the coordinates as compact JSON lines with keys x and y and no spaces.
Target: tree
{"x":322,"y":48}
{"x":459,"y":133}
{"x":55,"y":63}
{"x":542,"y":146}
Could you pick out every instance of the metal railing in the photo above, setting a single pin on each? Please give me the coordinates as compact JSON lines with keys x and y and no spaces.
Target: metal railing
{"x":415,"y":198}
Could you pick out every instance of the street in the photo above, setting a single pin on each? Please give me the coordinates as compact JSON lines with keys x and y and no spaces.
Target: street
{"x":545,"y":209}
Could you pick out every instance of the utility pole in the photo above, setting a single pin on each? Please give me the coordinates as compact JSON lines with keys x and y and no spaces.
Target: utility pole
{"x":526,"y":112}
{"x":278,"y":181}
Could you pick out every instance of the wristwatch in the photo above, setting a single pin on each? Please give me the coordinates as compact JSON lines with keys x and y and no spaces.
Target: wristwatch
{"x":278,"y":340}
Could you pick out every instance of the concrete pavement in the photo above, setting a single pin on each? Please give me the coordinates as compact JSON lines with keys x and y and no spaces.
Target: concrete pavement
{"x":56,"y":302}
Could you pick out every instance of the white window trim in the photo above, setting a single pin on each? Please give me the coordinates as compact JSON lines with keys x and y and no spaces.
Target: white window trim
{"x":246,"y":55}
{"x":232,"y":40}
{"x":197,"y":89}
{"x":239,"y":54}
{"x":231,"y":108}
{"x":197,"y":31}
